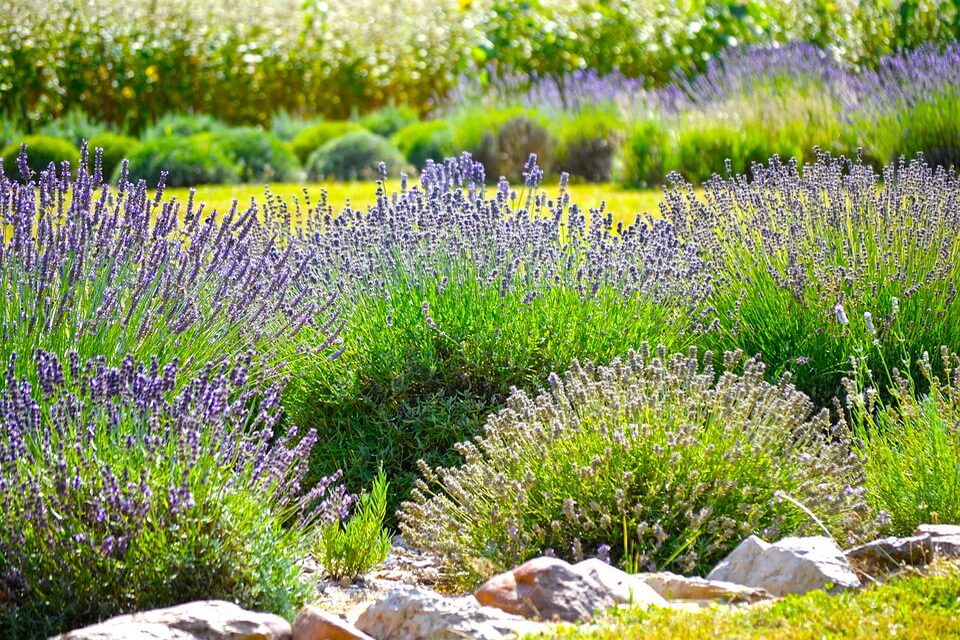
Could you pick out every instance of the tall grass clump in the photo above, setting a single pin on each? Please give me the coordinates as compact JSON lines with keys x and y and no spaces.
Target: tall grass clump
{"x":909,"y":442}
{"x":132,"y":487}
{"x":115,"y":271}
{"x":453,"y":294}
{"x":657,"y":462}
{"x":817,"y":263}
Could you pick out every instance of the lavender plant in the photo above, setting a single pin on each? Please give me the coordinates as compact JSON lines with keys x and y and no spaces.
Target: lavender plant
{"x":657,"y":461}
{"x":129,"y":487}
{"x":814,"y":266}
{"x":454,"y":294}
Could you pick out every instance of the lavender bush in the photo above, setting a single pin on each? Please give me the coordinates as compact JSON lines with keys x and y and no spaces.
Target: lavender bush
{"x":129,"y":487}
{"x":656,"y":461}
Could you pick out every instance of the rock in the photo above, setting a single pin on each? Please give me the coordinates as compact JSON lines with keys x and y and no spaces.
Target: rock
{"x":944,"y":539}
{"x":546,"y":588}
{"x":888,"y":554}
{"x":623,"y":587}
{"x":792,"y":565}
{"x":938,"y":530}
{"x":203,"y":620}
{"x":675,"y":587}
{"x":314,"y":624}
{"x":415,"y":613}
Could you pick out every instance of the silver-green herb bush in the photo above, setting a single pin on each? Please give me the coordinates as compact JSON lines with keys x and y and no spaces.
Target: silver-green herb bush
{"x":659,"y":461}
{"x":422,"y":141}
{"x":185,"y":162}
{"x":43,"y":150}
{"x":316,"y":135}
{"x":260,"y":156}
{"x":354,"y":156}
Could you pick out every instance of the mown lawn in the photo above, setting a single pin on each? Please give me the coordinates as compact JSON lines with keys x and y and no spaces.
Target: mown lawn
{"x":907,"y":608}
{"x":623,"y":203}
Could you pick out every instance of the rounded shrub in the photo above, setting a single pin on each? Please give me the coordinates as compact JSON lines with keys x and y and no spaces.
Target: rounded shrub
{"x":75,"y":126}
{"x":115,"y":147}
{"x":662,"y":463}
{"x":41,"y":151}
{"x":422,"y":141}
{"x":388,"y":120}
{"x":588,"y":143}
{"x":642,"y":161}
{"x":188,"y":161}
{"x":355,"y":156}
{"x":259,"y":155}
{"x":182,"y":125}
{"x":315,"y":136}
{"x":516,"y":140}
{"x":286,"y":125}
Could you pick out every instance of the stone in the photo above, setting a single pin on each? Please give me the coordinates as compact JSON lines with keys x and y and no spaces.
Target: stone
{"x":938,"y":530}
{"x":546,"y":588}
{"x":314,"y":624}
{"x":792,"y":565}
{"x":675,"y":587}
{"x":202,"y":620}
{"x":415,"y":613}
{"x":623,"y":587}
{"x":889,"y":554}
{"x":944,"y":539}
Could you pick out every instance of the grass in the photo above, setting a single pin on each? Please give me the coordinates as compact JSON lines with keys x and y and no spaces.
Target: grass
{"x":624,"y":203}
{"x":911,"y":607}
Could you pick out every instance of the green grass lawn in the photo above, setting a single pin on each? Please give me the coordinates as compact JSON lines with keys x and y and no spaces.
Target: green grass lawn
{"x":907,"y":608}
{"x":624,"y":204}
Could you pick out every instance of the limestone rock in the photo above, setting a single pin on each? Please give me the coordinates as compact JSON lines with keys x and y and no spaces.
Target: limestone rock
{"x":888,"y":554}
{"x":414,"y":613}
{"x":623,"y":587}
{"x":938,"y":530}
{"x":792,"y":565}
{"x":675,"y":587}
{"x":546,"y":588}
{"x":315,"y":624}
{"x":944,"y":539}
{"x":203,"y":620}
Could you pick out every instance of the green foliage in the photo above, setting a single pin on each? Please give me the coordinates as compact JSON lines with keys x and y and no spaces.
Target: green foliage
{"x":931,"y":127}
{"x":588,"y":144}
{"x":643,"y":163}
{"x":503,"y":138}
{"x":352,"y":548}
{"x":315,"y":136}
{"x":355,"y":156}
{"x":667,"y":463}
{"x":260,"y":156}
{"x":286,"y":125}
{"x":387,"y":121}
{"x":181,"y":125}
{"x":115,"y":147}
{"x":188,"y":161}
{"x":41,"y":151}
{"x":422,"y":141}
{"x":910,"y":444}
{"x":75,"y":126}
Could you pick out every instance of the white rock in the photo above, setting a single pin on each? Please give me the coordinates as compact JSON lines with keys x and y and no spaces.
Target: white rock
{"x":414,"y":613}
{"x":676,"y":587}
{"x":623,"y":587}
{"x":792,"y":565}
{"x":203,"y":620}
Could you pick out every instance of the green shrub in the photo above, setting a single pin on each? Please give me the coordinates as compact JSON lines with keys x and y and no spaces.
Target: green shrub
{"x":355,"y":156}
{"x":115,"y":147}
{"x":930,"y":127}
{"x":422,"y":141}
{"x":516,"y":140}
{"x":10,"y":130}
{"x":910,"y":445}
{"x":41,"y":151}
{"x":588,"y":143}
{"x":181,"y":125}
{"x":286,"y":126}
{"x":314,"y":137}
{"x":643,"y":161}
{"x":352,"y":548}
{"x":662,"y":463}
{"x":260,"y":156}
{"x":188,"y":161}
{"x":387,"y":121}
{"x":76,"y":126}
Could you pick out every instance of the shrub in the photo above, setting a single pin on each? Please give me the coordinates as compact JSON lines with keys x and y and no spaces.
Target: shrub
{"x":186,"y":161}
{"x":422,"y":141}
{"x":115,"y":147}
{"x":76,"y":126}
{"x":314,"y":137}
{"x":352,"y":548}
{"x":260,"y":156}
{"x":286,"y":126}
{"x":41,"y":151}
{"x":181,"y":125}
{"x":658,"y":461}
{"x":910,"y":446}
{"x":588,"y":143}
{"x":643,"y":162}
{"x":388,"y":120}
{"x":10,"y":131}
{"x":516,"y":140}
{"x":128,"y":488}
{"x":452,"y":296}
{"x":814,"y":266}
{"x":355,"y":156}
